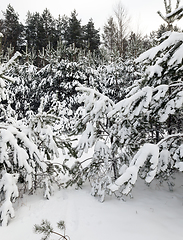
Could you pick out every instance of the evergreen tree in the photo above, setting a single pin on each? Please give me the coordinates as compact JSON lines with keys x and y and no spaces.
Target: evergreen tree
{"x":91,"y":37}
{"x":74,"y":31}
{"x":40,"y":32}
{"x":27,"y":145}
{"x":49,"y":27}
{"x":155,"y":103}
{"x":34,"y":31}
{"x":62,"y":24}
{"x":12,"y":30}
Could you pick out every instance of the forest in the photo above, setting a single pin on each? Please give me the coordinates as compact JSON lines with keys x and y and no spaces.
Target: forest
{"x":66,"y":90}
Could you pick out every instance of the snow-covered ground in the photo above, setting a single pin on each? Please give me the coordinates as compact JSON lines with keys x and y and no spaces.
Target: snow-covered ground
{"x":153,"y":213}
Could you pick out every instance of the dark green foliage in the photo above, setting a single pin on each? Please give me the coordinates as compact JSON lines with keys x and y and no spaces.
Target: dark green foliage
{"x":12,"y":30}
{"x":91,"y":37}
{"x":62,"y":24}
{"x":45,"y":228}
{"x":33,"y":31}
{"x":74,"y":31}
{"x":41,"y":30}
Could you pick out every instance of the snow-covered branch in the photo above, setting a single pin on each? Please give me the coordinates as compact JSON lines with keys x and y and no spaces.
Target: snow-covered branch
{"x":4,"y":67}
{"x":94,"y":92}
{"x":178,"y":135}
{"x":128,"y":106}
{"x":171,"y":15}
{"x":148,"y":153}
{"x":8,"y":185}
{"x":169,"y":45}
{"x":177,"y":14}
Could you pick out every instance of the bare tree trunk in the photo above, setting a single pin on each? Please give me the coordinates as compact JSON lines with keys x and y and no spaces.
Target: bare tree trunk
{"x":122,"y":26}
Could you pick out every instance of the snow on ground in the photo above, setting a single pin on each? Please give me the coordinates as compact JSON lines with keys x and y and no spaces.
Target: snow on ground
{"x":153,"y":213}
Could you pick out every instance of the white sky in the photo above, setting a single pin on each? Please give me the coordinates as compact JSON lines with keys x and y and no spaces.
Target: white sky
{"x":143,"y":13}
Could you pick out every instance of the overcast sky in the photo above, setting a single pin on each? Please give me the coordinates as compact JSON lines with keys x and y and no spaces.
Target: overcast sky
{"x":143,"y":13}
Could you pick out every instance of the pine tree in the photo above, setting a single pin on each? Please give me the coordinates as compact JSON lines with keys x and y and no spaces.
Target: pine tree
{"x":27,"y":145}
{"x":12,"y":30}
{"x":49,"y":27}
{"x":74,"y":31}
{"x":62,"y":24}
{"x":18,"y":153}
{"x":34,"y":29}
{"x":91,"y":37}
{"x":155,"y":102}
{"x":92,"y":124}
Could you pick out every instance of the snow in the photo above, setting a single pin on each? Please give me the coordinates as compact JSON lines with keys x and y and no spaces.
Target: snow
{"x":164,"y":159}
{"x":8,"y":184}
{"x":161,"y":91}
{"x":87,"y":139}
{"x":178,"y":11}
{"x":172,"y":43}
{"x":173,"y":38}
{"x":153,"y":213}
{"x":148,"y":150}
{"x":130,"y":175}
{"x":127,"y":105}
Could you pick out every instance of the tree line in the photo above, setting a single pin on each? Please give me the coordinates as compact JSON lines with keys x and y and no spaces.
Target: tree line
{"x":41,"y":30}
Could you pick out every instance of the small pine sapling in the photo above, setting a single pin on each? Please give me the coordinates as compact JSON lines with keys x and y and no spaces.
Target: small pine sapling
{"x":46,"y":229}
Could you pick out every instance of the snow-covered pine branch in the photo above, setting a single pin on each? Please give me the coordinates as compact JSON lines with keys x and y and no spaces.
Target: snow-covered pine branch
{"x":171,"y":15}
{"x":8,"y":185}
{"x":23,"y":153}
{"x":151,"y":159}
{"x":94,"y":126}
{"x":4,"y":77}
{"x":149,"y":153}
{"x":168,"y":56}
{"x":96,"y":104}
{"x":133,"y":105}
{"x":5,"y":66}
{"x":177,"y":14}
{"x":96,"y":108}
